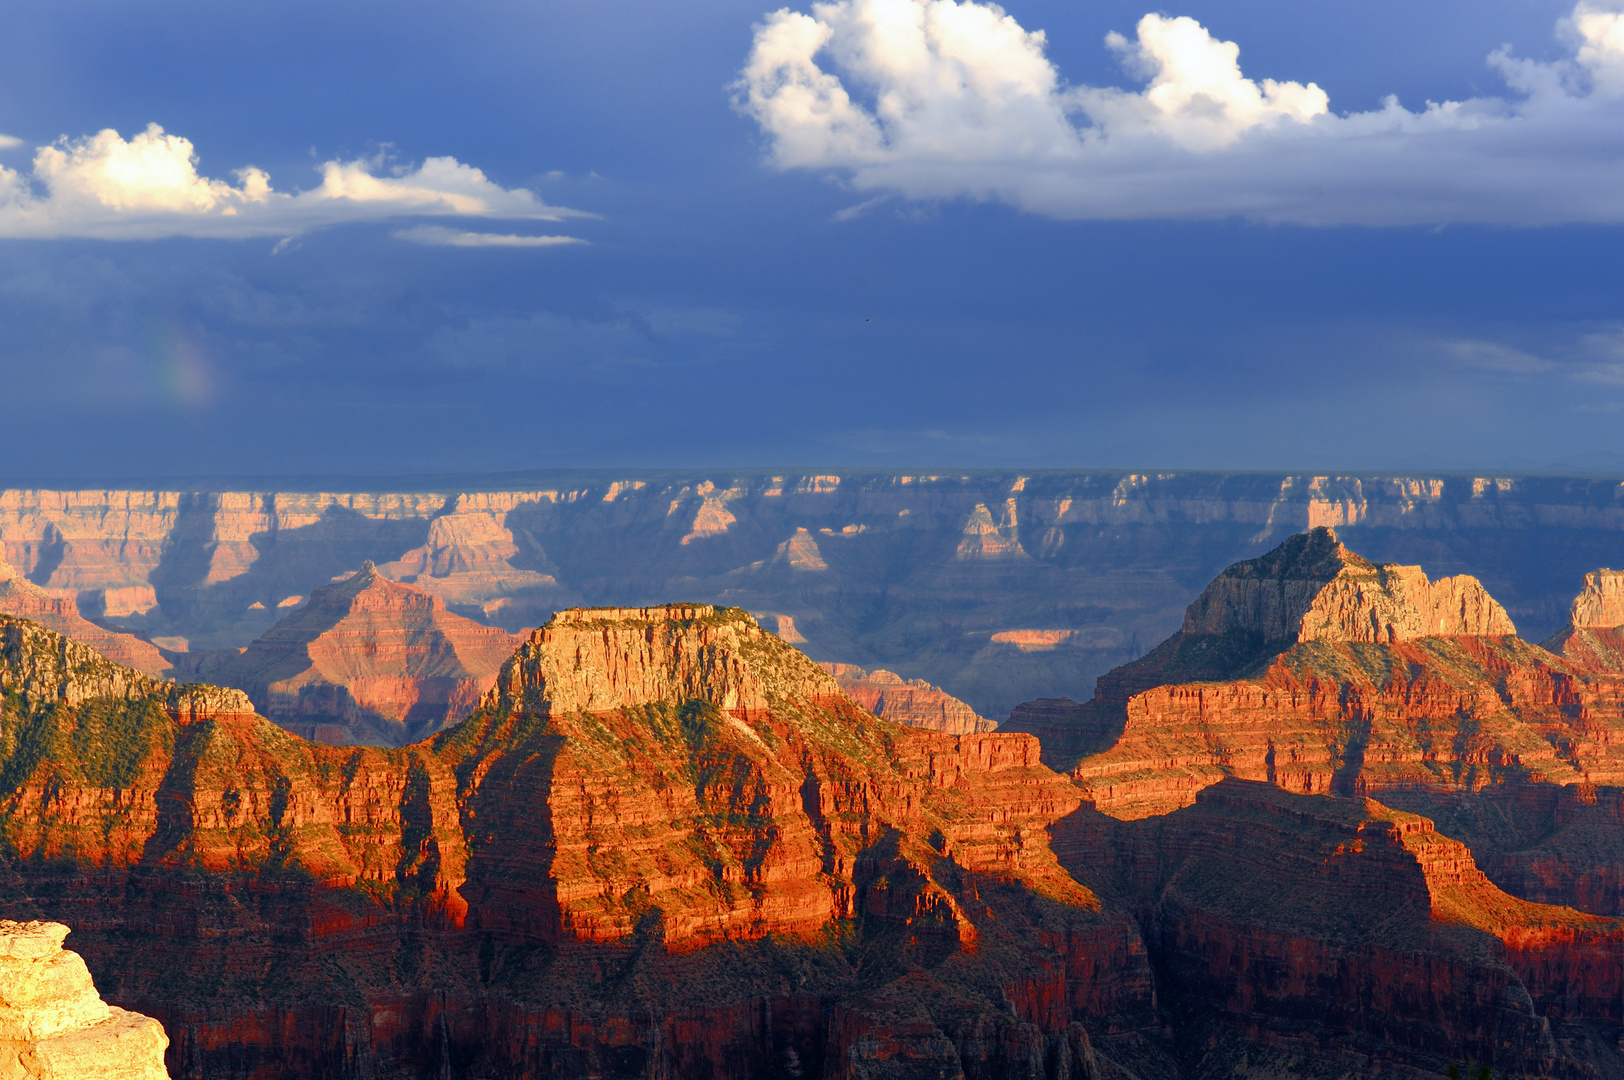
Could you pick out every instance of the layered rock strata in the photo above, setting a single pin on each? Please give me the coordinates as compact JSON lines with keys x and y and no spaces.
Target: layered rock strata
{"x":368,"y":661}
{"x":1291,"y":927}
{"x":910,"y":572}
{"x":1594,"y":636}
{"x":53,"y":1024}
{"x":911,"y":702}
{"x":25,"y":600}
{"x":1321,"y":672}
{"x":664,"y":842}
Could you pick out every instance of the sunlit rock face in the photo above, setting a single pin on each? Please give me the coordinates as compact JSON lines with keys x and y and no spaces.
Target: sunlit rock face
{"x":53,"y":1024}
{"x":669,"y":787}
{"x":1594,"y":636}
{"x":25,"y":600}
{"x":996,"y":587}
{"x":368,"y":660}
{"x":1319,"y":671}
{"x":665,"y":843}
{"x":912,"y":702}
{"x":1312,"y":588}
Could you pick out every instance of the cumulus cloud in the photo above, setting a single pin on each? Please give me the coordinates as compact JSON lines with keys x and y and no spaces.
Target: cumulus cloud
{"x":943,"y":99}
{"x":443,"y":237}
{"x":148,"y":186}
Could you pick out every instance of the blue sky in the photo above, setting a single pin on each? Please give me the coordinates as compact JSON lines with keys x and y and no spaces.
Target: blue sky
{"x":1295,"y":280}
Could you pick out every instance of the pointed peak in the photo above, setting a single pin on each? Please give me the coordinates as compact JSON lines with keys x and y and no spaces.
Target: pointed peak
{"x":1315,"y":555}
{"x":368,"y":569}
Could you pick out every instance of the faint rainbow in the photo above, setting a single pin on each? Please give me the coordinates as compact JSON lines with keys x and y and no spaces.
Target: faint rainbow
{"x":178,"y":367}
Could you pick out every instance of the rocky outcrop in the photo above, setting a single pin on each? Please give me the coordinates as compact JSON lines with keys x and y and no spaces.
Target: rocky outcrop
{"x":25,"y":600}
{"x":898,"y":570}
{"x":1343,"y":928}
{"x":1323,"y":673}
{"x":1594,"y":636}
{"x":1312,"y":588}
{"x":603,"y":659}
{"x":42,"y":667}
{"x":54,"y":1026}
{"x":368,"y":660}
{"x":665,"y":842}
{"x":910,"y":702}
{"x":1600,"y":606}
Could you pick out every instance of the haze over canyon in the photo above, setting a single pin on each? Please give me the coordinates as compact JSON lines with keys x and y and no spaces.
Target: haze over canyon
{"x":1346,"y":819}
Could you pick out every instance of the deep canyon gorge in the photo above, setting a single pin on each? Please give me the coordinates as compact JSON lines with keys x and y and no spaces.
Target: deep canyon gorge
{"x":1347,"y":818}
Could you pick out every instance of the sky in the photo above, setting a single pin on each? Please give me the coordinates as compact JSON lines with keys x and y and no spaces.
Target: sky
{"x":333,"y":238}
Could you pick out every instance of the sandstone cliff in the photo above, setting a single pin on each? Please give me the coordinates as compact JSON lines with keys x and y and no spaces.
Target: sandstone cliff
{"x":1291,"y":927}
{"x":666,"y":844}
{"x":1600,"y":606}
{"x":920,"y":572}
{"x":368,"y":660}
{"x":911,"y":702}
{"x":25,"y":600}
{"x":53,"y":1025}
{"x":662,"y":826}
{"x":1594,"y":636}
{"x":1323,"y":673}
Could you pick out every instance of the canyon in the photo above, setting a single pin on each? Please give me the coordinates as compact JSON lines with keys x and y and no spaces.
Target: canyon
{"x":997,"y":587}
{"x":364,"y":660}
{"x":913,"y":702}
{"x":1343,"y":822}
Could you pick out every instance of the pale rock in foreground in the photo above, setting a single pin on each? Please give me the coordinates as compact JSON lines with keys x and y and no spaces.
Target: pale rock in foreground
{"x":53,"y":1024}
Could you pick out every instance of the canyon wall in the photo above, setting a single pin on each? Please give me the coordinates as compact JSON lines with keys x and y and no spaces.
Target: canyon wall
{"x":365,"y":660}
{"x":998,"y":588}
{"x":719,"y":867}
{"x":913,"y":702}
{"x":665,"y":844}
{"x":1317,"y":670}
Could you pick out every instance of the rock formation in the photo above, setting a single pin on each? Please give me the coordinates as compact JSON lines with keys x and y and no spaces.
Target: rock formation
{"x":1312,"y":588}
{"x":1594,"y":636}
{"x":54,"y":1026}
{"x":925,"y":574}
{"x":25,"y":600}
{"x":659,"y":823}
{"x":912,"y":702}
{"x":368,"y":660}
{"x":1319,"y":671}
{"x":1289,"y":927}
{"x":666,"y":844}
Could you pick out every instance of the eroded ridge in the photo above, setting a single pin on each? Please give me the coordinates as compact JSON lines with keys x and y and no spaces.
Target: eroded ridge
{"x":1316,"y":670}
{"x":370,"y":661}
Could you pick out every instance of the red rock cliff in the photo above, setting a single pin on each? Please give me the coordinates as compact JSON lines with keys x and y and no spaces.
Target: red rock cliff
{"x":25,"y":600}
{"x":550,"y":889}
{"x":910,"y":702}
{"x":1315,"y":670}
{"x":368,"y":660}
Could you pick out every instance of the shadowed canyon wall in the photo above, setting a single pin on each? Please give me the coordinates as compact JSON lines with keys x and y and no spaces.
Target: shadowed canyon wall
{"x":998,"y":588}
{"x":666,"y":844}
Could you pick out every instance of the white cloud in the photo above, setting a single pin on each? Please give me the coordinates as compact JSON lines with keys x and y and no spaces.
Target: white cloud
{"x":9,"y":141}
{"x":1498,"y":358}
{"x":444,"y":237}
{"x":940,"y":99}
{"x":105,"y":187}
